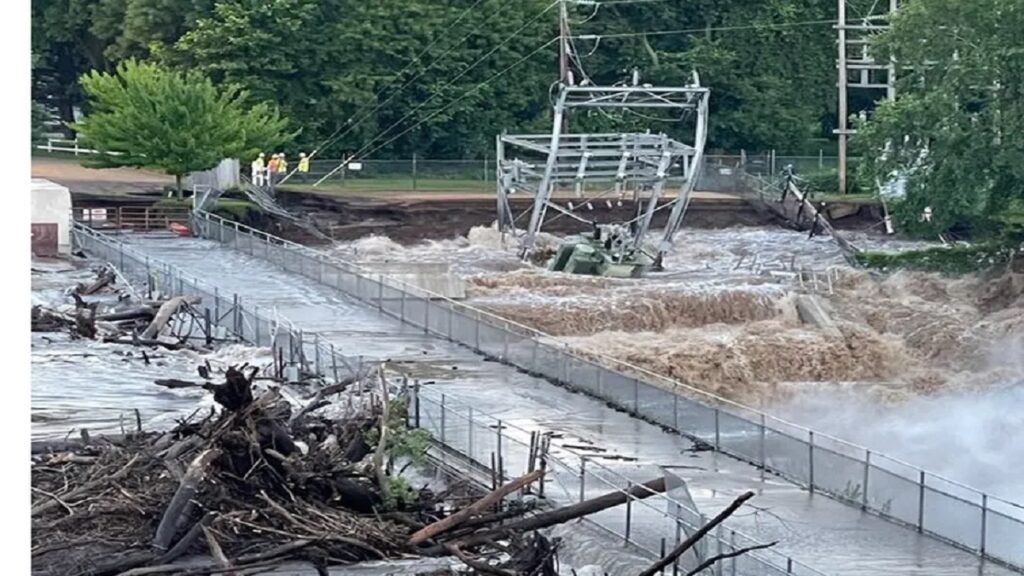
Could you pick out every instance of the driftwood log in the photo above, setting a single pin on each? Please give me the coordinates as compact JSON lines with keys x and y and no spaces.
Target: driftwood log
{"x":164,"y":314}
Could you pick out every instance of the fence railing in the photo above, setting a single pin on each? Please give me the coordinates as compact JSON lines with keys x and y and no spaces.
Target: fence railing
{"x":887,"y":487}
{"x":63,"y":145}
{"x":131,"y":217}
{"x":721,"y":173}
{"x":228,"y":311}
{"x":491,"y":445}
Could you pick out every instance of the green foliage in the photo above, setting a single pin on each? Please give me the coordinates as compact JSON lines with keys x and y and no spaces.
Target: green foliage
{"x":398,"y":493}
{"x":39,"y":118}
{"x":328,"y":63}
{"x":958,"y":259}
{"x":403,"y":443}
{"x":178,"y":122}
{"x":956,"y":130}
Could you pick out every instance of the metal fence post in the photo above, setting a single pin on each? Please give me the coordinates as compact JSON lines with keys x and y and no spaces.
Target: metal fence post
{"x":810,"y":459}
{"x":476,"y":333}
{"x":216,"y":305}
{"x":867,"y":474}
{"x":629,"y":510}
{"x":583,"y":478}
{"x":920,"y":502}
{"x":443,"y":443}
{"x":401,"y":314}
{"x":380,"y":292}
{"x":984,"y":521}
{"x":675,"y":412}
{"x":234,"y":313}
{"x":762,"y":455}
{"x":256,"y":321}
{"x":469,"y":421}
{"x":316,"y":352}
{"x":334,"y":368}
{"x":416,"y":399}
{"x":718,"y":433}
{"x":499,"y":461}
{"x":732,"y":548}
{"x":426,"y":315}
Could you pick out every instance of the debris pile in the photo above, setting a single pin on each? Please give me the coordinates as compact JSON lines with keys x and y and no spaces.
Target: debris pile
{"x":257,"y":484}
{"x":131,"y":319}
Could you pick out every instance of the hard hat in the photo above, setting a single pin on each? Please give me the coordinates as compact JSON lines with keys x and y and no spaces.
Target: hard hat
{"x":302,"y":154}
{"x":261,"y":154}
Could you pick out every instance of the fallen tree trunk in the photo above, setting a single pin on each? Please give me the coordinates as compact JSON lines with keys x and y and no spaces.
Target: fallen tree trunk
{"x":477,"y":507}
{"x":163,"y":316}
{"x":189,"y":484}
{"x":562,"y":515}
{"x":106,"y":277}
{"x":144,"y":312}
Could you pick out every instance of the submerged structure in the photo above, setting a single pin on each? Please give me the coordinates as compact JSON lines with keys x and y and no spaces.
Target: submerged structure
{"x":568,"y":172}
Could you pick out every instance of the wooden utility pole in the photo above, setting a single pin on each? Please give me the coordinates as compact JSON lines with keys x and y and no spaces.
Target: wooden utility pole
{"x":855,"y":56}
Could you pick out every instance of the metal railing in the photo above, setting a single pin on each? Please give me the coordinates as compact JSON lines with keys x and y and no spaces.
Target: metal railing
{"x":131,"y":217}
{"x":942,"y":508}
{"x":228,"y":311}
{"x":488,"y":443}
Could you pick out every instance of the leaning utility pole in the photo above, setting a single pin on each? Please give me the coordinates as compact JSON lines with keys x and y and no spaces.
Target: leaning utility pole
{"x":855,"y":57}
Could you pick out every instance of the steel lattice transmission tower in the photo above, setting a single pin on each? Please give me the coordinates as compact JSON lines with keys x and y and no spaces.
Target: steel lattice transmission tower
{"x":857,"y":67}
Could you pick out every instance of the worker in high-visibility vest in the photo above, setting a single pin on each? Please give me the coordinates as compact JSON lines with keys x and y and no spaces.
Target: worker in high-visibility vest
{"x":282,"y":164}
{"x":303,"y":166}
{"x":257,"y":170}
{"x":275,"y":159}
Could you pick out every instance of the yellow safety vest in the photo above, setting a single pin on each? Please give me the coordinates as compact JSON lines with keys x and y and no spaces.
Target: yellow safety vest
{"x":304,"y":165}
{"x":282,"y":166}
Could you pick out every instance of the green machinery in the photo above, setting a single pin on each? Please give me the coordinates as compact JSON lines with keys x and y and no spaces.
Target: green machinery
{"x":606,"y":251}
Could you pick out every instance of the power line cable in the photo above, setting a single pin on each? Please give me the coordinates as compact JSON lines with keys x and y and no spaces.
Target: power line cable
{"x":767,"y":25}
{"x":351,"y":125}
{"x":464,"y":95}
{"x":440,"y":90}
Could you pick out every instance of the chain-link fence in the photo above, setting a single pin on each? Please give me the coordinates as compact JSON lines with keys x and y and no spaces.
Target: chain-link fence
{"x":651,"y":525}
{"x":981,"y":523}
{"x":227,"y":314}
{"x":721,"y":173}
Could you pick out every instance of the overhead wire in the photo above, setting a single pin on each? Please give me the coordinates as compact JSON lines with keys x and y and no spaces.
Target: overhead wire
{"x":362,"y":151}
{"x":464,"y":95}
{"x":334,"y":137}
{"x":762,"y":26}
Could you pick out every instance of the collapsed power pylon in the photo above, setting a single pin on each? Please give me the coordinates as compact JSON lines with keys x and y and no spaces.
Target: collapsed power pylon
{"x":567,"y":173}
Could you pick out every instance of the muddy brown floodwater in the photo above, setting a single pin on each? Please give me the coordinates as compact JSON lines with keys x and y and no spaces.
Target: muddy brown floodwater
{"x":918,"y":361}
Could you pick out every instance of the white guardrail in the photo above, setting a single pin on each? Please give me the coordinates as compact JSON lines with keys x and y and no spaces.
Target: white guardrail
{"x":942,"y":508}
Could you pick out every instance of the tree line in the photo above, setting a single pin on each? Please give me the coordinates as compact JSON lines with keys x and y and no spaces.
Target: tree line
{"x":326,"y":63}
{"x":393,"y":77}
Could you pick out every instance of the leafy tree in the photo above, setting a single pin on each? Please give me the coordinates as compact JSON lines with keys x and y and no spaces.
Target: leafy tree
{"x":178,"y":122}
{"x":956,"y":128}
{"x":39,"y":118}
